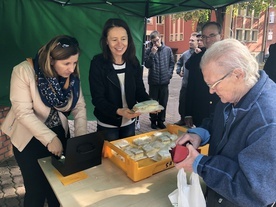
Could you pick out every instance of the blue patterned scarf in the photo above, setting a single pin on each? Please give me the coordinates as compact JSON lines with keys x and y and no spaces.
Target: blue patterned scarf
{"x":52,"y":91}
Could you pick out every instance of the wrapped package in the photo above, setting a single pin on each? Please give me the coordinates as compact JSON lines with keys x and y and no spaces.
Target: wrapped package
{"x":147,"y":107}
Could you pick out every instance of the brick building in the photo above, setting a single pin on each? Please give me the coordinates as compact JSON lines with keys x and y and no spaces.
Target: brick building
{"x":256,"y":31}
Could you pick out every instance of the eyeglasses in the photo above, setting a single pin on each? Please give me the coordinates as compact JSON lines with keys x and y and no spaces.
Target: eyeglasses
{"x":209,"y":37}
{"x":212,"y":86}
{"x":155,"y":41}
{"x":65,"y":42}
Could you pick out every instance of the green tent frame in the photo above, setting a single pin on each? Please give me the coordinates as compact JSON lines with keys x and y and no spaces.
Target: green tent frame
{"x":26,"y":25}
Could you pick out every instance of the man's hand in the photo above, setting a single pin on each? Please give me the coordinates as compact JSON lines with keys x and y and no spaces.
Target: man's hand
{"x":197,"y":50}
{"x":154,"y":49}
{"x":194,"y":139}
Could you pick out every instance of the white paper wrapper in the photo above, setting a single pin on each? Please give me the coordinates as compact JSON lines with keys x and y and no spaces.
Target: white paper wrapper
{"x":147,"y":107}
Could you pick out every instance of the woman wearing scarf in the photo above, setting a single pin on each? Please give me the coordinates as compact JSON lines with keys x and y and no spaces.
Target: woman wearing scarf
{"x":44,"y":91}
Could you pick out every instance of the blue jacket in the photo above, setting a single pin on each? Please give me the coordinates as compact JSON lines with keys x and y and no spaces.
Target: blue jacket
{"x":160,"y":65}
{"x":180,"y":66}
{"x":240,"y":167}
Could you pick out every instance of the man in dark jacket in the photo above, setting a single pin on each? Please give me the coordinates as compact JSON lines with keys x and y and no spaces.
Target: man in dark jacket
{"x":160,"y":62}
{"x":184,"y":74}
{"x":200,"y":103}
{"x":269,"y":67}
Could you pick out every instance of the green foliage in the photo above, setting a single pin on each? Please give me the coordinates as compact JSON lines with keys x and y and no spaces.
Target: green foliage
{"x":202,"y":16}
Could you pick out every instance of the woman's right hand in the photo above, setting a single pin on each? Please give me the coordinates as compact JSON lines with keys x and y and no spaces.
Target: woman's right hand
{"x":55,"y":147}
{"x":127,"y":113}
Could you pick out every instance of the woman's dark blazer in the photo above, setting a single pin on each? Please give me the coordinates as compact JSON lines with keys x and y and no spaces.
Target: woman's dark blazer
{"x":106,"y":91}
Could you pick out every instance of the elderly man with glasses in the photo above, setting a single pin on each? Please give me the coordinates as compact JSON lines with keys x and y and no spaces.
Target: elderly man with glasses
{"x":239,"y":170}
{"x":200,"y":104}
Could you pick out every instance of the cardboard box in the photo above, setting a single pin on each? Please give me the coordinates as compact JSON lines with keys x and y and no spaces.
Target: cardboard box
{"x":139,"y":170}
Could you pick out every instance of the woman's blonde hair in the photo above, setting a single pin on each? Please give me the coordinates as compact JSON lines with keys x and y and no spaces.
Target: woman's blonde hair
{"x":59,"y":48}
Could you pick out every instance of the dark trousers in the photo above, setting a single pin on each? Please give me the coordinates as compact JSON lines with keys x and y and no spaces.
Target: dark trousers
{"x":159,"y":93}
{"x":182,"y":100}
{"x":36,"y":185}
{"x":112,"y":134}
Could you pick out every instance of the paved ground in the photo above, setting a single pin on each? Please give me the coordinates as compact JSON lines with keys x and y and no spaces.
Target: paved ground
{"x":11,"y":184}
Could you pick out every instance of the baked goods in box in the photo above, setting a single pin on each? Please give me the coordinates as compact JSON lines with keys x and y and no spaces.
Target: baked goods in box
{"x":142,"y":140}
{"x":164,"y":139}
{"x":162,"y":154}
{"x":138,"y":154}
{"x":121,"y":143}
{"x":155,"y":146}
{"x":147,"y":106}
{"x":149,"y":150}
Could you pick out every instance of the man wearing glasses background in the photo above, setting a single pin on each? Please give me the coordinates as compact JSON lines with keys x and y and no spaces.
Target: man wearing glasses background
{"x":184,"y":73}
{"x":160,"y":62}
{"x":200,"y":103}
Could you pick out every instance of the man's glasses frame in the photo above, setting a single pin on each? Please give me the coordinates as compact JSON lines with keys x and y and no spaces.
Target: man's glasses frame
{"x":155,"y":41}
{"x":210,"y":36}
{"x":212,"y":86}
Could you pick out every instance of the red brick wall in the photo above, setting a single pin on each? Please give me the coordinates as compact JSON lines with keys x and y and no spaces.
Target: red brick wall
{"x":5,"y":143}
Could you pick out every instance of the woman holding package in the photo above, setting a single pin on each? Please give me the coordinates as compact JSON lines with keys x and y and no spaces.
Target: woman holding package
{"x":43,"y":93}
{"x":116,"y":82}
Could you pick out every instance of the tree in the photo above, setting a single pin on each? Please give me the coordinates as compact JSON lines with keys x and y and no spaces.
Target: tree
{"x":202,"y":16}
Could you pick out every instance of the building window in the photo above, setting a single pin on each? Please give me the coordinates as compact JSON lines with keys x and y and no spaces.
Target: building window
{"x":159,"y":19}
{"x":239,"y":35}
{"x":247,"y":30}
{"x":254,"y":36}
{"x":247,"y":35}
{"x":175,"y":38}
{"x":171,"y":37}
{"x":181,"y":37}
{"x":270,"y":35}
{"x":271,"y":17}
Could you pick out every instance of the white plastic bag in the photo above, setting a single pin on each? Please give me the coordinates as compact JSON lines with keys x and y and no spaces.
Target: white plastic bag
{"x":187,"y":195}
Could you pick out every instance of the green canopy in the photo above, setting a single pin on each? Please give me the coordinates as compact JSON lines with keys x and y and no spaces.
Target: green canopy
{"x":26,"y":25}
{"x":146,"y":8}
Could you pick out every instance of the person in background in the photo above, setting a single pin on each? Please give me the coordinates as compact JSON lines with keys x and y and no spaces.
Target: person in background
{"x":43,"y":93}
{"x":116,"y":81}
{"x":240,"y":167}
{"x":270,"y":63}
{"x":200,"y":43}
{"x":160,"y":63}
{"x":184,"y":73}
{"x":200,"y":103}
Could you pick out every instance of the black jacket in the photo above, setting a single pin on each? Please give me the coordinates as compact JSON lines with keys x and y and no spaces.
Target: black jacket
{"x":160,"y":65}
{"x":270,"y":64}
{"x":200,"y":103}
{"x":106,"y":92}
